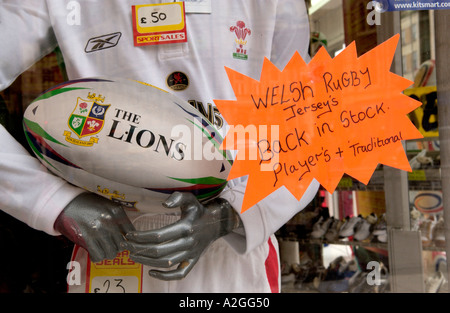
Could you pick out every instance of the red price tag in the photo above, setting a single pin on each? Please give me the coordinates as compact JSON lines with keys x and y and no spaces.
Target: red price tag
{"x":155,"y":24}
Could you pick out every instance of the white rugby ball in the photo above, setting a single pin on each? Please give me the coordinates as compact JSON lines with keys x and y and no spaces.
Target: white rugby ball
{"x":126,"y":140}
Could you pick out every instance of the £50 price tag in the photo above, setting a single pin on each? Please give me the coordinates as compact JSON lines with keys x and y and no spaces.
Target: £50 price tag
{"x":155,"y":24}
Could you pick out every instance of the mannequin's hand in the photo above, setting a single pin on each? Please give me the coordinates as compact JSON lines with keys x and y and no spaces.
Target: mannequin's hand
{"x":183,"y":242}
{"x":95,"y":223}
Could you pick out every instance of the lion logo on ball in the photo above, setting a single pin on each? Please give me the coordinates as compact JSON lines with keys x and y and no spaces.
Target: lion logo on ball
{"x":87,"y":119}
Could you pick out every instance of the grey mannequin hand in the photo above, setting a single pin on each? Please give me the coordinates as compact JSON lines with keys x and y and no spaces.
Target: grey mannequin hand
{"x":95,"y":223}
{"x":183,"y":242}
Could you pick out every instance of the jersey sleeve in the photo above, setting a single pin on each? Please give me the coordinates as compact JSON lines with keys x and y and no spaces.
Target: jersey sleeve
{"x":291,"y":34}
{"x":25,"y":36}
{"x":266,"y":217}
{"x":28,"y":191}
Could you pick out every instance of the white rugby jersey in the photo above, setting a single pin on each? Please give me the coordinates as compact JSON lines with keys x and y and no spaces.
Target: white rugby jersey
{"x":96,"y":39}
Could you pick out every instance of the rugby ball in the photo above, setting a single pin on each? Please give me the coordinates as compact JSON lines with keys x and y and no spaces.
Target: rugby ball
{"x":126,"y":140}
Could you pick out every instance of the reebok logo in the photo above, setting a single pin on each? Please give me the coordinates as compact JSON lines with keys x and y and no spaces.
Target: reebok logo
{"x":102,"y":42}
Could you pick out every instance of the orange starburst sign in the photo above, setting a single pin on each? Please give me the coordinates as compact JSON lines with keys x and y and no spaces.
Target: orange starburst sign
{"x":319,"y":120}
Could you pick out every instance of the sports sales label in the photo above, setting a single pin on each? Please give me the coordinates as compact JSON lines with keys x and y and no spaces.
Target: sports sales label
{"x":155,"y":24}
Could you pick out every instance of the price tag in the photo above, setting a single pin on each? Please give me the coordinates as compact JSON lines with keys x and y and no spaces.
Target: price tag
{"x":120,"y":275}
{"x":155,"y":24}
{"x":115,"y":284}
{"x":418,"y":175}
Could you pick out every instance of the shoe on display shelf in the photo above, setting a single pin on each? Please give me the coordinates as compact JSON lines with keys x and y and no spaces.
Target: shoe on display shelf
{"x":348,"y":229}
{"x":434,"y":282}
{"x":384,"y":279}
{"x":305,"y":218}
{"x":438,"y":233}
{"x":331,"y":275}
{"x":363,"y":229}
{"x":305,"y":276}
{"x":321,"y":227}
{"x":416,"y":219}
{"x":333,"y":231}
{"x":426,"y":231}
{"x":380,"y":230}
{"x":362,"y":285}
{"x":340,"y":275}
{"x":344,"y":224}
{"x":421,"y":160}
{"x":372,"y":218}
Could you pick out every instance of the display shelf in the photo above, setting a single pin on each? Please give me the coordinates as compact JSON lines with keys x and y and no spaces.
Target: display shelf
{"x":433,"y":248}
{"x":420,"y":179}
{"x":380,"y":245}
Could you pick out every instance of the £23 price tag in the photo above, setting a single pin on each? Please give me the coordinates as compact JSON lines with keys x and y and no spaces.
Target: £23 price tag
{"x":115,"y":284}
{"x":119,"y":275}
{"x":155,"y":24}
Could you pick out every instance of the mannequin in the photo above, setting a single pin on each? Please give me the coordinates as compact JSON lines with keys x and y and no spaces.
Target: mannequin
{"x":242,"y":258}
{"x":103,"y":228}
